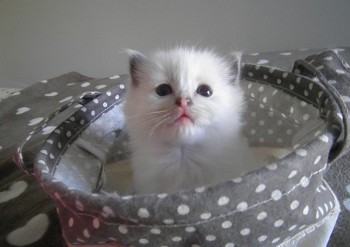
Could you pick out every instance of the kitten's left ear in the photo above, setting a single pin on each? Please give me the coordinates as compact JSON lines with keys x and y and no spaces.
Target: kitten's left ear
{"x":136,"y":62}
{"x":236,"y":58}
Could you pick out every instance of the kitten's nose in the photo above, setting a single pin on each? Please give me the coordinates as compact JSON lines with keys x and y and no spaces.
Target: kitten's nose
{"x":183,"y":101}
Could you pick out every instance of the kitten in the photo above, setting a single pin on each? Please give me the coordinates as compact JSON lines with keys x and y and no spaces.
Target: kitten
{"x":183,"y":112}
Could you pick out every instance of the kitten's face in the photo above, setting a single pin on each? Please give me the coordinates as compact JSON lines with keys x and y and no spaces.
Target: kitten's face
{"x":179,"y":96}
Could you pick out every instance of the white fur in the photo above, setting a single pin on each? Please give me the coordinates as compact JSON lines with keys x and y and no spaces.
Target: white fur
{"x":169,"y":157}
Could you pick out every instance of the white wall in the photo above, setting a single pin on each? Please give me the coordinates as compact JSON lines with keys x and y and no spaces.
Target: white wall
{"x":40,"y":39}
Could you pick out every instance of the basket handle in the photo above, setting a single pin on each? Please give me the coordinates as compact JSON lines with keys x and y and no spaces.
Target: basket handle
{"x":18,"y":156}
{"x":325,"y":68}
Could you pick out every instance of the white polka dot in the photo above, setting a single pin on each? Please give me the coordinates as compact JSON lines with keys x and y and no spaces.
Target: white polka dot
{"x":114,"y":77}
{"x":31,"y":232}
{"x":324,"y":138}
{"x":143,"y":241}
{"x":205,"y":216}
{"x":168,"y":221}
{"x":250,"y":74}
{"x":306,"y":210}
{"x":79,"y":205}
{"x":237,"y":180}
{"x":52,"y":94}
{"x":318,"y":158}
{"x":93,"y":113}
{"x":260,"y":188}
{"x":278,"y":223}
{"x":252,"y":131}
{"x":279,"y":81}
{"x":116,"y":97}
{"x":68,"y":133}
{"x":272,"y":166}
{"x":123,"y":229}
{"x":163,"y":195}
{"x":276,"y":195}
{"x":155,"y":231}
{"x":275,"y":240}
{"x":262,"y":61}
{"x":294,"y":204}
{"x":86,"y":233}
{"x":285,"y":74}
{"x":210,"y":238}
{"x":292,"y":228}
{"x":289,"y":131}
{"x":190,"y":229}
{"x":22,"y":110}
{"x":285,"y":53}
{"x":100,"y":86}
{"x":304,"y":182}
{"x":121,"y":86}
{"x":291,"y":87}
{"x":15,"y":190}
{"x":340,"y":71}
{"x":243,"y":206}
{"x":143,"y":213}
{"x":262,"y":215}
{"x":306,"y":116}
{"x":183,"y":209}
{"x":245,"y":232}
{"x":270,"y":131}
{"x":199,"y":189}
{"x":301,"y":152}
{"x":262,"y":122}
{"x":71,"y":222}
{"x":223,"y":200}
{"x":226,"y":224}
{"x":107,"y":211}
{"x":65,"y":99}
{"x":104,"y":104}
{"x":262,"y":238}
{"x":35,"y":121}
{"x":176,"y":239}
{"x":85,"y":84}
{"x":292,"y":174}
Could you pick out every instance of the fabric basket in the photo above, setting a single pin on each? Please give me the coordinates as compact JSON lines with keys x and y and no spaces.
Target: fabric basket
{"x":286,"y":203}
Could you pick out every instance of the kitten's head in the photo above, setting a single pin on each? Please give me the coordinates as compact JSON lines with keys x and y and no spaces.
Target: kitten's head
{"x":183,"y":95}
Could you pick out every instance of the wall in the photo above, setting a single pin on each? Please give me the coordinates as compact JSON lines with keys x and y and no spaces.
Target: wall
{"x":40,"y":39}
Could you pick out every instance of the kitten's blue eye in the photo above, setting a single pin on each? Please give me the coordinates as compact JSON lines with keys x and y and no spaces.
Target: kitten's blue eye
{"x":164,"y":89}
{"x":204,"y":90}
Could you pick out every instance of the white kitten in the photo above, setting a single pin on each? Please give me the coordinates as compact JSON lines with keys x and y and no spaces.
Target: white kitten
{"x":183,"y":112}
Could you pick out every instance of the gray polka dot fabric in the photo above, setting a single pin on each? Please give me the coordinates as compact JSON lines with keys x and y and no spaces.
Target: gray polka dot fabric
{"x":282,"y":204}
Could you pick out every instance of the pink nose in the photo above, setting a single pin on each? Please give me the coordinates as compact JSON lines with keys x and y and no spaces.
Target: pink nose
{"x":183,"y":101}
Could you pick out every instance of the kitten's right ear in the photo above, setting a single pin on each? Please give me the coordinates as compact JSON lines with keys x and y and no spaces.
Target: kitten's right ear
{"x":236,"y":65}
{"x":136,"y":62}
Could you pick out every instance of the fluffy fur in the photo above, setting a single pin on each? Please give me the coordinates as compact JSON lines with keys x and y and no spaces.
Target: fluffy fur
{"x":205,"y":147}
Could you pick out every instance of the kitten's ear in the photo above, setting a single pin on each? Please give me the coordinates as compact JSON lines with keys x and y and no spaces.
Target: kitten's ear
{"x":136,"y":63}
{"x":236,"y":58}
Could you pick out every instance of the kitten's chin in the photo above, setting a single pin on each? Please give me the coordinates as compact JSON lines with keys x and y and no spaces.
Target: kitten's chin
{"x":182,"y":131}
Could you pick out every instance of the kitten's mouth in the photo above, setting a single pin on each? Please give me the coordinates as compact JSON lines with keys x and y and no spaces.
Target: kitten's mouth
{"x":183,"y":119}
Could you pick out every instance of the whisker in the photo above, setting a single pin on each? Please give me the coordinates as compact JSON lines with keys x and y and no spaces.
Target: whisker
{"x":153,"y":129}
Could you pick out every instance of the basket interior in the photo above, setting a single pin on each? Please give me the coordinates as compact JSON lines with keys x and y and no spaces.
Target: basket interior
{"x":275,"y":123}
